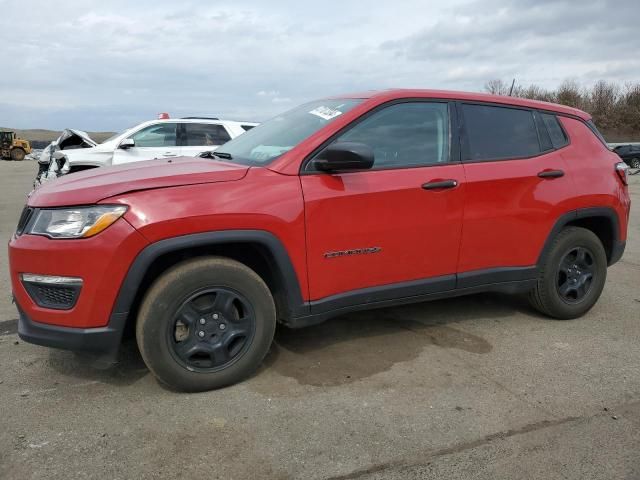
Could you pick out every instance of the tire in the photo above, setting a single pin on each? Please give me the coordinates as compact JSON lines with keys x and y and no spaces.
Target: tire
{"x":566,"y":270}
{"x":17,"y":154}
{"x":235,"y":338}
{"x":634,"y":163}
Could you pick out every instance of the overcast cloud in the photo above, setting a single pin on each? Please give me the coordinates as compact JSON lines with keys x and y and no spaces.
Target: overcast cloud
{"x":105,"y":65}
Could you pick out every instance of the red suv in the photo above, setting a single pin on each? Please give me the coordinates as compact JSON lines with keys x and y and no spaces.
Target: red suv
{"x":338,"y":205}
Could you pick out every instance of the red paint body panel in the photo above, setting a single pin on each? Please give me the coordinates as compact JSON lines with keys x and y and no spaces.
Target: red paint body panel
{"x":91,"y":186}
{"x":418,"y":231}
{"x":262,"y":200}
{"x":510,"y":211}
{"x":101,"y":261}
{"x":591,"y":168}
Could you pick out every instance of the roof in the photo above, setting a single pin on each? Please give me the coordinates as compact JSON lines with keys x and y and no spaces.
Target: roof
{"x":393,"y":94}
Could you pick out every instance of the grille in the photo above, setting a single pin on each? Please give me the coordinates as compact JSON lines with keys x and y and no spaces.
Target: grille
{"x":58,"y":296}
{"x":24,"y":219}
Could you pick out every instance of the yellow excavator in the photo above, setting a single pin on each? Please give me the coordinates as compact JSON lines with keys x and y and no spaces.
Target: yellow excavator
{"x":12,"y":147}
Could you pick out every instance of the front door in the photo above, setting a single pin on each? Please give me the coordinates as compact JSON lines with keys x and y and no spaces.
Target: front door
{"x":398,"y":223}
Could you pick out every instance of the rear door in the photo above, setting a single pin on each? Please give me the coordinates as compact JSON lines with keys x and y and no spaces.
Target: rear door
{"x":202,"y":137}
{"x":388,"y":227}
{"x":517,"y":187}
{"x":154,"y":141}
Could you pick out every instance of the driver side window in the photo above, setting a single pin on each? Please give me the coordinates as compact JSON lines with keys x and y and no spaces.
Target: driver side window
{"x":160,"y":135}
{"x":405,"y":134}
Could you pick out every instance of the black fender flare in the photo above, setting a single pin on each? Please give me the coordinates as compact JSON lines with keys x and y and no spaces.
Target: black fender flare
{"x":591,"y":212}
{"x":285,"y":272}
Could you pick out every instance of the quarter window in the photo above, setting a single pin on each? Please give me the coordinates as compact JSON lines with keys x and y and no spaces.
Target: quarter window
{"x":405,"y":134}
{"x":203,"y":134}
{"x":160,"y":135}
{"x":495,"y":133}
{"x":558,"y":137}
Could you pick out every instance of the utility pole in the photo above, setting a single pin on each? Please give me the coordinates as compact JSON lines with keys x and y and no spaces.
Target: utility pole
{"x":512,"y":85}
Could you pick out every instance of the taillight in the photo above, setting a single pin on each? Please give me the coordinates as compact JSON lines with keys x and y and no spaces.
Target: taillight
{"x":622,"y":169}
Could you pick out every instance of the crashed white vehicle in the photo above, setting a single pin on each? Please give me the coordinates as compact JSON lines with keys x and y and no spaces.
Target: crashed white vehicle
{"x":75,"y":151}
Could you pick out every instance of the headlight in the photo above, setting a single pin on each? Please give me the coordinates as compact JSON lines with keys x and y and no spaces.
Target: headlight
{"x":79,"y":222}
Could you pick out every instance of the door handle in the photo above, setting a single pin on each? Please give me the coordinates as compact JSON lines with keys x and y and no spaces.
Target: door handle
{"x":551,"y":173}
{"x":439,"y":184}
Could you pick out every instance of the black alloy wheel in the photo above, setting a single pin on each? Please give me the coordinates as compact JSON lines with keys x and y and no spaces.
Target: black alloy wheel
{"x":576,"y":274}
{"x":211,"y":329}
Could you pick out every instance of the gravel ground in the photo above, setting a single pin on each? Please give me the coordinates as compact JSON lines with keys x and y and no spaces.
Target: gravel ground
{"x":478,"y":387}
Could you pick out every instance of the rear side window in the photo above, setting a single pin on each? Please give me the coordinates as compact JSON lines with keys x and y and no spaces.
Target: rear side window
{"x":495,"y":133}
{"x":596,"y":132}
{"x":247,"y":127}
{"x":558,"y":137}
{"x":205,"y":134}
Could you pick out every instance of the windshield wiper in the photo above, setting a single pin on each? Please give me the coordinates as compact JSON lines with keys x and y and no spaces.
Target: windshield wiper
{"x":225,"y":155}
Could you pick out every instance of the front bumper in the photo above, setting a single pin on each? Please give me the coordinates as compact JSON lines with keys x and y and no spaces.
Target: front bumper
{"x":102,"y":342}
{"x":101,"y":262}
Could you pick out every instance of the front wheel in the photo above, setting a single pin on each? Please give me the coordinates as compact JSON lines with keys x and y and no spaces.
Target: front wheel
{"x":206,"y":323}
{"x":572,"y":275}
{"x":17,"y":154}
{"x":634,"y":163}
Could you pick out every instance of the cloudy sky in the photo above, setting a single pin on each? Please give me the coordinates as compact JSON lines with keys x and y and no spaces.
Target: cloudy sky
{"x":105,"y":65}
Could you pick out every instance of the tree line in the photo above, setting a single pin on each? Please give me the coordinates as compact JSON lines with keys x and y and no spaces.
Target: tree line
{"x":615,"y":108}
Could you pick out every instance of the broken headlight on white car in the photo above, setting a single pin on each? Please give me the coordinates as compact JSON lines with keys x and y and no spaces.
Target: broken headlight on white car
{"x":75,"y":222}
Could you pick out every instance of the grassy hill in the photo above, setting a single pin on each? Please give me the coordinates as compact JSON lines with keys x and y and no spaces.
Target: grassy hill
{"x":39,"y":138}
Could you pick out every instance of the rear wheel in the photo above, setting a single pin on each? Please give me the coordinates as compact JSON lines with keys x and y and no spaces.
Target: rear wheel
{"x":205,"y":324}
{"x":634,"y":163}
{"x":572,"y":276}
{"x":17,"y":154}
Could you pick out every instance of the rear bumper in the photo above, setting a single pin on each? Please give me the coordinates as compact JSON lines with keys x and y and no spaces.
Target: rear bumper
{"x":102,"y":341}
{"x":616,"y":251}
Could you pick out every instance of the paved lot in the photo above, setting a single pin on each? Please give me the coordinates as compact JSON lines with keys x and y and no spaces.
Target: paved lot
{"x":480,"y":387}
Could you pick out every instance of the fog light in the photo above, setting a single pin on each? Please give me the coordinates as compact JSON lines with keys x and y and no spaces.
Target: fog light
{"x":51,"y":279}
{"x":52,"y":291}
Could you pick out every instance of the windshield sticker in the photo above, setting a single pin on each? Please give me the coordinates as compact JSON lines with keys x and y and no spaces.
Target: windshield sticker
{"x":266,"y":152}
{"x":325,"y":113}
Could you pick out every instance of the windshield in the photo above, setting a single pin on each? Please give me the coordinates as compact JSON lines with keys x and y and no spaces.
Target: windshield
{"x":266,"y":142}
{"x":116,"y":135}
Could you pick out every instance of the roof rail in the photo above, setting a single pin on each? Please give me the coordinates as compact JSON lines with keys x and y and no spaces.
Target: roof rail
{"x":200,"y":118}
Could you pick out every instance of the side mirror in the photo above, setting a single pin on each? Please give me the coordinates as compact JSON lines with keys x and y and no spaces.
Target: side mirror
{"x":127,"y":143}
{"x":341,"y":156}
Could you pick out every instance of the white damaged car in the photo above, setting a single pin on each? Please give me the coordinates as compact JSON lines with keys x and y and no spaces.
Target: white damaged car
{"x":75,"y":151}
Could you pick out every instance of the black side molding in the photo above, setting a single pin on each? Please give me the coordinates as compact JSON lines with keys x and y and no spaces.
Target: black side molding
{"x":283,"y":267}
{"x":595,"y":212}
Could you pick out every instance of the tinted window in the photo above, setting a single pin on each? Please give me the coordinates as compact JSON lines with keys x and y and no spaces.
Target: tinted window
{"x":247,"y":127}
{"x":495,"y":133}
{"x":543,"y":134}
{"x":558,"y":138}
{"x":405,"y":134}
{"x":204,"y":134}
{"x":160,"y":135}
{"x":596,"y":132}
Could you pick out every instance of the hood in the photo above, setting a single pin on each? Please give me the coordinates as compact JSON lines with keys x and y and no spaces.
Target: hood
{"x":69,"y":138}
{"x":91,"y":186}
{"x":74,"y":138}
